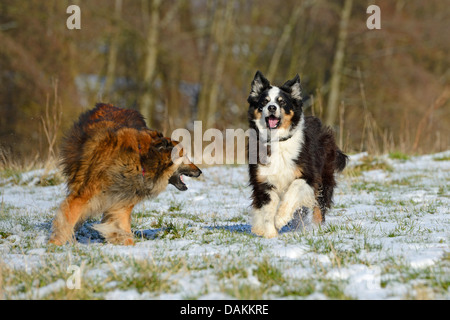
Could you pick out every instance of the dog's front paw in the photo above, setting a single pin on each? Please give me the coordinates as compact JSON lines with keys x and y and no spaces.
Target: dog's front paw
{"x":273,"y":233}
{"x":258,"y":230}
{"x":128,"y":242}
{"x":56,"y":242}
{"x":282,"y":217}
{"x":280,"y":222}
{"x":59,"y":239}
{"x":266,"y":232}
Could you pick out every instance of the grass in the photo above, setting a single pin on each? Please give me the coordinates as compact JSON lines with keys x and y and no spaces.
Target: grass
{"x":263,"y":279}
{"x":444,"y":191}
{"x":442,"y":158}
{"x":174,"y":231}
{"x":10,"y":176}
{"x":426,"y":283}
{"x":367,"y":163}
{"x":4,"y":234}
{"x":44,"y":178}
{"x":397,"y":155}
{"x":268,"y":274}
{"x":202,"y":247}
{"x":143,"y":276}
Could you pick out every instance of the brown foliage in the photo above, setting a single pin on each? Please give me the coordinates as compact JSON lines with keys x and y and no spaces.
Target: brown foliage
{"x":206,"y":54}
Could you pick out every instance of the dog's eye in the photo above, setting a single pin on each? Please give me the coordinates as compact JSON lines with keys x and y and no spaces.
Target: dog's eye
{"x":260,"y":108}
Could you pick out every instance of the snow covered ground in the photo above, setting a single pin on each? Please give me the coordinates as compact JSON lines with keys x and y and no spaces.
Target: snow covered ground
{"x":386,"y":238}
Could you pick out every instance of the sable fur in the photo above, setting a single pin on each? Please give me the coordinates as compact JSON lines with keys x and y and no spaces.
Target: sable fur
{"x":308,"y":157}
{"x":112,"y":161}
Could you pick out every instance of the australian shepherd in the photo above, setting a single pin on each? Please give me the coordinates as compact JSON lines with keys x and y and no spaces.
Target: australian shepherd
{"x":302,"y":157}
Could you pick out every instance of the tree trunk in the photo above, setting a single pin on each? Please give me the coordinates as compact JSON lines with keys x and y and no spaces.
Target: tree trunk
{"x":147,"y":101}
{"x":113,"y":52}
{"x":338,"y":63}
{"x":222,"y":37}
{"x":287,"y":31}
{"x":207,"y":64}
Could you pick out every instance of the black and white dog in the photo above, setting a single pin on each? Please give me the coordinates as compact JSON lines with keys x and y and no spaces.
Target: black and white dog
{"x":302,"y":157}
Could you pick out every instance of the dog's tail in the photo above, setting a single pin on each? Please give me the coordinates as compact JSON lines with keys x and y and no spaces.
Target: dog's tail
{"x":340,"y":161}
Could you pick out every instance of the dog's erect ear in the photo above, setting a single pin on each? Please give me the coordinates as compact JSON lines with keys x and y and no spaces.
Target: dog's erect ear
{"x":293,"y":87}
{"x":259,"y":84}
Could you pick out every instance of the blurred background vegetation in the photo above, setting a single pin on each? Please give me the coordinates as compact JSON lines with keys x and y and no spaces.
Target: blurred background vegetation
{"x":179,"y":60}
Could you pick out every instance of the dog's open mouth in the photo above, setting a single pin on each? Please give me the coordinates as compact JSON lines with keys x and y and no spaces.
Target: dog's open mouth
{"x":272,"y":122}
{"x":177,"y":178}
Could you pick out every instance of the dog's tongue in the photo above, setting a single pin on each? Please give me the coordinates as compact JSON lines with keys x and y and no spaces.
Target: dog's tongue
{"x":273,"y":122}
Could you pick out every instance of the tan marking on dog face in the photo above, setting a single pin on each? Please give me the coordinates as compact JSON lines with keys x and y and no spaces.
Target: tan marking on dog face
{"x":286,"y":119}
{"x":180,"y":150}
{"x":257,"y":114}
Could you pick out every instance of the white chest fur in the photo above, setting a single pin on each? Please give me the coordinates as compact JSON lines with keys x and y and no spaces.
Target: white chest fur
{"x":280,"y":170}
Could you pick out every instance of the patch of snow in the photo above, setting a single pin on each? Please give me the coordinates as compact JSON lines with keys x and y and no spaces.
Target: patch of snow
{"x":372,"y":226}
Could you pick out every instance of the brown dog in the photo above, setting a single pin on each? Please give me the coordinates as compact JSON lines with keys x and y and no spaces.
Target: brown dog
{"x":112,"y":161}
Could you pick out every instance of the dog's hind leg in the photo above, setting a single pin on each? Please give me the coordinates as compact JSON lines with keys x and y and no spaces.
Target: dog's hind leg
{"x":68,"y":215}
{"x":116,"y":226}
{"x":318,"y":215}
{"x":325,"y":197}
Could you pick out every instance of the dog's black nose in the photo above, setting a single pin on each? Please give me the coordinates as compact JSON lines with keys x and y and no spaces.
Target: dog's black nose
{"x":272,"y":108}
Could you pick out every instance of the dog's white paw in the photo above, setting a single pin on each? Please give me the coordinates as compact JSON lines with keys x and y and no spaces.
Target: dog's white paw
{"x":266,"y":232}
{"x":282,"y":218}
{"x":259,"y":231}
{"x":271,"y":234}
{"x":280,"y":222}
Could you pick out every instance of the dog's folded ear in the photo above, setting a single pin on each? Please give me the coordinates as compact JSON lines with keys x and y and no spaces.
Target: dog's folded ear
{"x":294,"y":87}
{"x":162,"y":143}
{"x":154,"y":134}
{"x":259,"y":84}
